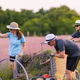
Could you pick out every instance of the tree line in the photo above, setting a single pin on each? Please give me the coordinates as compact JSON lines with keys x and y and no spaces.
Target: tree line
{"x":55,"y":20}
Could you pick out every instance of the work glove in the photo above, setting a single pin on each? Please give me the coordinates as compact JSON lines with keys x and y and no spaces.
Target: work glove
{"x":74,"y":41}
{"x":37,"y":65}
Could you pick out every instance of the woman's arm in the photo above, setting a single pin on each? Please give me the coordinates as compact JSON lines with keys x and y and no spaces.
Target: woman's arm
{"x":4,"y":35}
{"x":23,"y":48}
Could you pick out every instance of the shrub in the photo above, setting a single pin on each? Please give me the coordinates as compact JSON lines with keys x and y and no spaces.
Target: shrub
{"x":30,"y":62}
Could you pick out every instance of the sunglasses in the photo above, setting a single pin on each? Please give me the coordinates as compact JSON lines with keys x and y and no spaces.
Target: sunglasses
{"x":77,"y":25}
{"x":48,"y":43}
{"x":10,"y":29}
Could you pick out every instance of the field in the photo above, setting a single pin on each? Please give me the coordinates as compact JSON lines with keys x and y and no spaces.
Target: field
{"x":33,"y":44}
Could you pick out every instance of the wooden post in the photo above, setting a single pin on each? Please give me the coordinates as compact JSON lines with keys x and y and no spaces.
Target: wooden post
{"x":28,"y":34}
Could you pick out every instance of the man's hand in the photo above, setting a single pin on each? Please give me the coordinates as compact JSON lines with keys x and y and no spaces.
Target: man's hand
{"x":52,"y":54}
{"x":60,"y":54}
{"x":74,"y":41}
{"x":47,"y":61}
{"x":39,"y":64}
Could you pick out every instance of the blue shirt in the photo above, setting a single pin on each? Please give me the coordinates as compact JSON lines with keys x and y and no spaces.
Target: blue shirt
{"x":15,"y":44}
{"x":71,"y":49}
{"x":76,"y":34}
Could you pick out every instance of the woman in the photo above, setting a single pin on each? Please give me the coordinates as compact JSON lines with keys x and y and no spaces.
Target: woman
{"x":16,"y":40}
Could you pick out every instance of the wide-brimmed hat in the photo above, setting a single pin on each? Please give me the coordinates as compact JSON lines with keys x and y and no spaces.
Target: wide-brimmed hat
{"x":50,"y":37}
{"x":77,"y":22}
{"x":13,"y":25}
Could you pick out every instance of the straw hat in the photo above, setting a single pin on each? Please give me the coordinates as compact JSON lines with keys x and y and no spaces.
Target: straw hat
{"x":13,"y":25}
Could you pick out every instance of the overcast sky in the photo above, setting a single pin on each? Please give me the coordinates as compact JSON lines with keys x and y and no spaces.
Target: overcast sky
{"x":35,"y":5}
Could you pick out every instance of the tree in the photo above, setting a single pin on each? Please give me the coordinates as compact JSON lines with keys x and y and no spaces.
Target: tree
{"x":32,"y":26}
{"x":64,"y":26}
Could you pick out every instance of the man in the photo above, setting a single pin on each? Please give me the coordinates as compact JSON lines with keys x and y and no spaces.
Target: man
{"x":65,"y":47}
{"x":77,"y":33}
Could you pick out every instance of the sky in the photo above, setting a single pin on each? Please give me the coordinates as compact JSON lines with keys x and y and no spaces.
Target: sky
{"x":35,"y":5}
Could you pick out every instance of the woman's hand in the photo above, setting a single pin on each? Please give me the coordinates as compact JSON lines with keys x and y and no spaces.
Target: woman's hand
{"x":20,"y":54}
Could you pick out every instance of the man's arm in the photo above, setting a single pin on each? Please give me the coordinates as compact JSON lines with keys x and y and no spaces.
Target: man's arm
{"x":57,"y":54}
{"x":77,"y":40}
{"x":47,"y":61}
{"x":69,"y":38}
{"x":60,"y":54}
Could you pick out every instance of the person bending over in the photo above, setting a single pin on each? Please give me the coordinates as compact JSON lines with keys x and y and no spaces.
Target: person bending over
{"x":62,"y":47}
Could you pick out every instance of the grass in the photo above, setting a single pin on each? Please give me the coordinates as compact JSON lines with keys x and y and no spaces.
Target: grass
{"x":5,"y":72}
{"x":78,"y":67}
